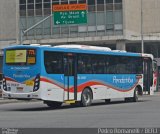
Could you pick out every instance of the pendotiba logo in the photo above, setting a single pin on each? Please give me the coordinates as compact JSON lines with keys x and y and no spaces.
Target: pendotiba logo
{"x":122,"y":80}
{"x":21,"y":76}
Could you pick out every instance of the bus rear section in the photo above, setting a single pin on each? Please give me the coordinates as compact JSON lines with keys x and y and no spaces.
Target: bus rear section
{"x":21,"y":73}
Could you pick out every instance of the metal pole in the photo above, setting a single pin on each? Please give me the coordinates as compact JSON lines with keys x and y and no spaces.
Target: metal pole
{"x":142,"y":41}
{"x":21,"y":37}
{"x":17,"y":21}
{"x":27,"y":30}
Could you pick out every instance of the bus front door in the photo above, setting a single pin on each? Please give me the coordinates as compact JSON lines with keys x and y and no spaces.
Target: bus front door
{"x":148,"y":76}
{"x":70,"y":73}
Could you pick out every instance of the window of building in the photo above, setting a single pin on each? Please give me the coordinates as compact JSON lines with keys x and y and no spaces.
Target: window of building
{"x":38,"y":5}
{"x":47,"y":5}
{"x":30,"y":1}
{"x":100,"y":5}
{"x":109,"y":5}
{"x":22,"y":2}
{"x":55,"y":2}
{"x":109,"y":1}
{"x":100,"y":1}
{"x":73,"y":1}
{"x":47,"y":1}
{"x":118,"y":17}
{"x":91,"y":19}
{"x":81,"y":1}
{"x":64,"y":1}
{"x":23,"y":10}
{"x":91,"y":2}
{"x":38,"y":1}
{"x":109,"y":17}
{"x":100,"y":18}
{"x":118,"y":1}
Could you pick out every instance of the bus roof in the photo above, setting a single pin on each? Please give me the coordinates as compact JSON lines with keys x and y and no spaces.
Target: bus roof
{"x":80,"y":49}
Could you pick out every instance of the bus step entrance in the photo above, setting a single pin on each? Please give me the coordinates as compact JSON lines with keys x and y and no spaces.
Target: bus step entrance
{"x":70,"y":101}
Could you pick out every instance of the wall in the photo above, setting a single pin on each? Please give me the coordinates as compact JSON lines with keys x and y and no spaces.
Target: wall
{"x":8,"y":22}
{"x":132,"y":18}
{"x":150,"y":19}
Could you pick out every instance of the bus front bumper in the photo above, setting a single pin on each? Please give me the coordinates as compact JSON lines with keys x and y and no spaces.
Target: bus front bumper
{"x":9,"y":95}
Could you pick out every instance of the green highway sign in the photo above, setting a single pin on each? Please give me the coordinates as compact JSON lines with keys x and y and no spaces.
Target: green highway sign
{"x":70,"y":17}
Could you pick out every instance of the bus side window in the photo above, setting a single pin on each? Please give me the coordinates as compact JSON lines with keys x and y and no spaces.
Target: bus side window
{"x":48,"y":67}
{"x":84,"y":64}
{"x":53,"y":62}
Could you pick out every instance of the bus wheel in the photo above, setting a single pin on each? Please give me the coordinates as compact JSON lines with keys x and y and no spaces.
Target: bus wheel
{"x":136,"y":94}
{"x":128,"y":99}
{"x":86,"y":99}
{"x":53,"y":104}
{"x":107,"y":100}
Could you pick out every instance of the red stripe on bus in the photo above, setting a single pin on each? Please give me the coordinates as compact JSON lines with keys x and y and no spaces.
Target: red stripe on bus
{"x":88,"y":84}
{"x":10,"y":79}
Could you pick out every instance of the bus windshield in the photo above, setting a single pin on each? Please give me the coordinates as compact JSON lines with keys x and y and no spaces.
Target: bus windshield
{"x":20,"y":56}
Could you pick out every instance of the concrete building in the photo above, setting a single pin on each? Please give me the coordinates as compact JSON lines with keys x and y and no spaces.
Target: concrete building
{"x":118,"y":24}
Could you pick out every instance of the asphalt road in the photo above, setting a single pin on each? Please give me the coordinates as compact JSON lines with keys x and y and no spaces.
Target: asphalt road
{"x":145,"y":113}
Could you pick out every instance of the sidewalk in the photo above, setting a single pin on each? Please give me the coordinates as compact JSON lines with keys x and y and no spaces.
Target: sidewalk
{"x":157,"y":93}
{"x":4,"y":101}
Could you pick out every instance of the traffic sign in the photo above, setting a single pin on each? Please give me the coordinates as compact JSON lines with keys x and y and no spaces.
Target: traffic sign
{"x":70,"y":17}
{"x":69,"y":14}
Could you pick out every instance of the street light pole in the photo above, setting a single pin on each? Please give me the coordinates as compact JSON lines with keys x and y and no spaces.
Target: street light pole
{"x":142,"y":40}
{"x":22,"y":33}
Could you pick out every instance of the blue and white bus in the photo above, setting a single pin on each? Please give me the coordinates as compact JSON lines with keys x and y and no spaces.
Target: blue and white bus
{"x":75,"y":74}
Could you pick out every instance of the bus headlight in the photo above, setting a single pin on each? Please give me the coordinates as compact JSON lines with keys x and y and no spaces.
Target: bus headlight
{"x":36,"y":83}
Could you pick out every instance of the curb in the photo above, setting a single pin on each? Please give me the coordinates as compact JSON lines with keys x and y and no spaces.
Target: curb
{"x":5,"y":101}
{"x":157,"y":93}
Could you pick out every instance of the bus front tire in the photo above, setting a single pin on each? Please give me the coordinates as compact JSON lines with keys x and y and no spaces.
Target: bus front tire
{"x":86,"y":99}
{"x":134,"y":98}
{"x":53,"y":104}
{"x":136,"y":94}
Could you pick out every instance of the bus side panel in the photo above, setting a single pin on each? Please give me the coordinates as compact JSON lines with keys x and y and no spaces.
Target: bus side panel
{"x":118,"y":86}
{"x":109,"y":86}
{"x":51,"y":85}
{"x":51,"y":90}
{"x":122,"y":85}
{"x":96,"y":82}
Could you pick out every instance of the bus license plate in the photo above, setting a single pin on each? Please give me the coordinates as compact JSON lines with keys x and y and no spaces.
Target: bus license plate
{"x":29,"y":83}
{"x":20,"y":88}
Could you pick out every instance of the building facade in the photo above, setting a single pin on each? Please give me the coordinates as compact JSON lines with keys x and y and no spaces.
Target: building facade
{"x":104,"y":20}
{"x":118,"y":24}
